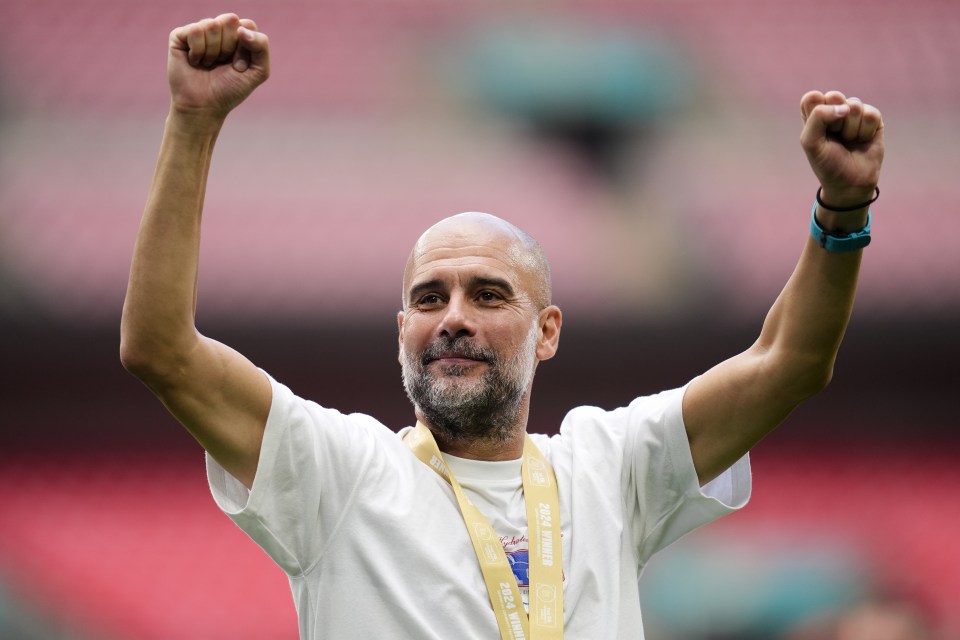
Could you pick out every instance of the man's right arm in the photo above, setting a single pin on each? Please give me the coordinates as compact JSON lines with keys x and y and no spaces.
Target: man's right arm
{"x":216,"y":393}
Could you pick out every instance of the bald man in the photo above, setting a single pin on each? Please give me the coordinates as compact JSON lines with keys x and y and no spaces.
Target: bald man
{"x":465,"y":525}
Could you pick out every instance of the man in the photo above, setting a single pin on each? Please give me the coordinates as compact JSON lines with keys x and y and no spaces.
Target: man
{"x":425,"y":534}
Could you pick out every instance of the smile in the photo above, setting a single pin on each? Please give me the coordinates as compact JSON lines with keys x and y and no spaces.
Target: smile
{"x":454,"y":359}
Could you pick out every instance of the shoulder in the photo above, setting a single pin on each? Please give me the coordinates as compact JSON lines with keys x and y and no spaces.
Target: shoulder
{"x":609,"y":433}
{"x":307,"y":425}
{"x":643,"y":412}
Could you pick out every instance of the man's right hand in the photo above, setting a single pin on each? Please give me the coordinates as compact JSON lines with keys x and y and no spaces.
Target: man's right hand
{"x":214,"y":64}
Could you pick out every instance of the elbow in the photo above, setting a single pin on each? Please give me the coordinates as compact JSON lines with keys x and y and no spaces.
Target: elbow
{"x":149,"y":346}
{"x":134,"y":355}
{"x":135,"y":358}
{"x":156,"y":353}
{"x":799,"y":375}
{"x":820,"y":381}
{"x":148,"y":358}
{"x":826,"y":378}
{"x":129,"y":358}
{"x":812,"y":379}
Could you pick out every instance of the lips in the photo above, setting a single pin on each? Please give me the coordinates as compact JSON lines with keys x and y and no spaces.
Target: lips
{"x":451,"y":356}
{"x":444,"y":352}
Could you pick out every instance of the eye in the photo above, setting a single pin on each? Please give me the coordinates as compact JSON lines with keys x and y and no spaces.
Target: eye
{"x":489,"y":296}
{"x":430,"y":299}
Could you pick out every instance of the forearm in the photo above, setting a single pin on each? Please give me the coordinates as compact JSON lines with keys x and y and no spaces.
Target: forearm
{"x":158,"y":313}
{"x":803,"y":330}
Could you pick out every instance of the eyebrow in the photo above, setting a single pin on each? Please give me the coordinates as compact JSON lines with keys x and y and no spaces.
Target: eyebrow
{"x":492,"y":283}
{"x":476,"y":282}
{"x":419,"y":289}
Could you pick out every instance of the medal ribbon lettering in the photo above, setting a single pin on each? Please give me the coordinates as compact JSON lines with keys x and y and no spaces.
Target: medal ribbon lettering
{"x":545,"y":620}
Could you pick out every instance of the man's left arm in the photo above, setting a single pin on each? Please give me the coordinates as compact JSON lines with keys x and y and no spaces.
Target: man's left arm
{"x":736,"y":403}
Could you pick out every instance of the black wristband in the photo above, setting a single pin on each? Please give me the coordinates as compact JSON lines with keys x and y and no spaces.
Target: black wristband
{"x":863,"y":205}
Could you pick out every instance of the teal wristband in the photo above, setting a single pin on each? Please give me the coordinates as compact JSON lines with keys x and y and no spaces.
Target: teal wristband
{"x":837,"y":242}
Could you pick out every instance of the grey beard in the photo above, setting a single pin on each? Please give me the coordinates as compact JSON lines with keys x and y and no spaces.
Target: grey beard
{"x":487,"y":410}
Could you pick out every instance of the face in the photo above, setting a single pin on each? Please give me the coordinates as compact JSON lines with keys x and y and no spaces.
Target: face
{"x":472,"y":331}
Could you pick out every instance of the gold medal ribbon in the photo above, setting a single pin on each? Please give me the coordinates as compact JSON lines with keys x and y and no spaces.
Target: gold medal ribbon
{"x":545,"y":619}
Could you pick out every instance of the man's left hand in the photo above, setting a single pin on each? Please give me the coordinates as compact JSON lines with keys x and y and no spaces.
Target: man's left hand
{"x":843,"y":140}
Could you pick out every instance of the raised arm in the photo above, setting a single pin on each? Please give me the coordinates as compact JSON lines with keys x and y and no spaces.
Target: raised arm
{"x":733,"y":405}
{"x":216,"y":393}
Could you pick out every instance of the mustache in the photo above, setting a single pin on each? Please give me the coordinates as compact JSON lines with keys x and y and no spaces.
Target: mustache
{"x":456,"y":348}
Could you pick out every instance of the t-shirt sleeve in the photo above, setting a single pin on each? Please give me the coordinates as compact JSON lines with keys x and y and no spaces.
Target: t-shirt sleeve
{"x":311,"y":460}
{"x":665,"y":499}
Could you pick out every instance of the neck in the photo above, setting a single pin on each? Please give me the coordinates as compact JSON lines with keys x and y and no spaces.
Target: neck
{"x":478,"y":448}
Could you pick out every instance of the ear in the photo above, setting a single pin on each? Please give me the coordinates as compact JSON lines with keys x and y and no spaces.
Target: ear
{"x":548,"y":340}
{"x":400,"y":335}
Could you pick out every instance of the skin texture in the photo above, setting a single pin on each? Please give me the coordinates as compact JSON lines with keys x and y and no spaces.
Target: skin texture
{"x":478,"y":281}
{"x":476,"y":314}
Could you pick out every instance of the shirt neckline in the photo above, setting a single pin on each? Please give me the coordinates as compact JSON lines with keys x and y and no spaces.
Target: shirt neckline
{"x":486,"y":471}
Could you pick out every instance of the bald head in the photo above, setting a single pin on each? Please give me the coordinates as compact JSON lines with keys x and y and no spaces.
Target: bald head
{"x":484,"y":234}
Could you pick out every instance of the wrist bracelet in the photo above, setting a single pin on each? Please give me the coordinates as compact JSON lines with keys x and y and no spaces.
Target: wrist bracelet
{"x":855,"y":207}
{"x":837,"y":242}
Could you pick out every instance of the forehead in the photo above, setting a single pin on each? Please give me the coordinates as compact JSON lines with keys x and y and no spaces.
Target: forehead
{"x":467,"y":245}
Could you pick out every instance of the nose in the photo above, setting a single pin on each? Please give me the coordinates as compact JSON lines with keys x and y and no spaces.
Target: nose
{"x":457,"y":319}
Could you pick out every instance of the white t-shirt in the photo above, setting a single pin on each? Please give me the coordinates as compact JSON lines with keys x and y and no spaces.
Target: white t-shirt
{"x":374,"y":544}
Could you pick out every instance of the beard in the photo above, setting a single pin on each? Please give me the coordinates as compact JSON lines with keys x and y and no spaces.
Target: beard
{"x":459,"y":409}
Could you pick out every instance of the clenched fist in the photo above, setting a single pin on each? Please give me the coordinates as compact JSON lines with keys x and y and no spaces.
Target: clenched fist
{"x":214,"y":64}
{"x":843,"y":140}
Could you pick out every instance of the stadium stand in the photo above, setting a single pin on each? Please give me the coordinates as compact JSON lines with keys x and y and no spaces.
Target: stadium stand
{"x":356,"y":121}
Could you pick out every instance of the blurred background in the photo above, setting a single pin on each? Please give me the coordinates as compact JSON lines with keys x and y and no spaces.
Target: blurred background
{"x":651,"y":146}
